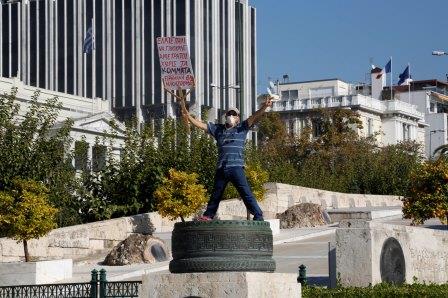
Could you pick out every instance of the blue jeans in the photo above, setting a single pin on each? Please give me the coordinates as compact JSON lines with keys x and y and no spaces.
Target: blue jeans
{"x":238,"y":178}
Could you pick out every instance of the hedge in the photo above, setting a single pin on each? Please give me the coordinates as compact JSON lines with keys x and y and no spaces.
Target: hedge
{"x":380,"y":290}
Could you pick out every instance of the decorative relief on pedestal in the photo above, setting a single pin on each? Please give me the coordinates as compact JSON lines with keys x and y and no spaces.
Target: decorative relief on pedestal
{"x":222,"y":245}
{"x":392,"y":263}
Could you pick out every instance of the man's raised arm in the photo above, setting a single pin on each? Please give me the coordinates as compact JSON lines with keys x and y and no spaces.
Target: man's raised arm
{"x":257,"y":115}
{"x":199,"y":124}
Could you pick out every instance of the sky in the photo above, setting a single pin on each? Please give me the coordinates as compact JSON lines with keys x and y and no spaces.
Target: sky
{"x":320,"y":39}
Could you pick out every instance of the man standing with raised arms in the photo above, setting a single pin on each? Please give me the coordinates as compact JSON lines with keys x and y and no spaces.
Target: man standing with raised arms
{"x":230,"y":138}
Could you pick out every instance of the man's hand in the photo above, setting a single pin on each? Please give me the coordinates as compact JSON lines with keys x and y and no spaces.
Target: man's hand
{"x":256,"y":116}
{"x":268,"y":102}
{"x":186,"y":115}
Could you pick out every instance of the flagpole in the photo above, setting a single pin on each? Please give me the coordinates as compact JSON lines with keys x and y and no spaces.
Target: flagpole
{"x":409,"y":83}
{"x":391,"y":78}
{"x":93,"y":61}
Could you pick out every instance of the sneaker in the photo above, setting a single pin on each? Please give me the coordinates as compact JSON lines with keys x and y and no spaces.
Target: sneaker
{"x":204,"y":218}
{"x":259,"y":219}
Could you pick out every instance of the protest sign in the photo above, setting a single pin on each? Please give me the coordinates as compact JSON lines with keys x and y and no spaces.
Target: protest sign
{"x":175,"y":62}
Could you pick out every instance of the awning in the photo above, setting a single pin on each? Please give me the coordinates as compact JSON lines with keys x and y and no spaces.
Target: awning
{"x":440,"y":96}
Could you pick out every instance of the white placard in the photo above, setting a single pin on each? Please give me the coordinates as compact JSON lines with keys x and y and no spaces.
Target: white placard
{"x":175,"y":62}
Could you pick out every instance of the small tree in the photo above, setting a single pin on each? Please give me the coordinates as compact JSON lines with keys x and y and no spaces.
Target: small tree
{"x":179,"y":195}
{"x":427,"y":195}
{"x":34,"y":145}
{"x":25,"y":212}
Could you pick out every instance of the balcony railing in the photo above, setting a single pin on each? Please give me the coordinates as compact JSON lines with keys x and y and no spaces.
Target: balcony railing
{"x":402,"y":107}
{"x":360,"y":100}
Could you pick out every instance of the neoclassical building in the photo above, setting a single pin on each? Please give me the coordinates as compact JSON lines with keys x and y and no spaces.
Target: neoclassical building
{"x":91,"y":121}
{"x":390,"y":120}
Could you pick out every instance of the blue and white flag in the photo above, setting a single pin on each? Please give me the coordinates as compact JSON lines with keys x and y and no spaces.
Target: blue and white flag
{"x":88,"y":41}
{"x":388,"y":67}
{"x":404,"y":77}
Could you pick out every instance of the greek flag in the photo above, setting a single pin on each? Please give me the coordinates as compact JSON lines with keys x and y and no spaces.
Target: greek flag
{"x":88,"y":41}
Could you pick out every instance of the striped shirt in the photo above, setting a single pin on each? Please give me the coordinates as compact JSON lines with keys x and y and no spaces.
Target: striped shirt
{"x":230,"y":143}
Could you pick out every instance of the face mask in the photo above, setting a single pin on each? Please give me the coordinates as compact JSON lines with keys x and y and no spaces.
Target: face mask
{"x":231,"y":120}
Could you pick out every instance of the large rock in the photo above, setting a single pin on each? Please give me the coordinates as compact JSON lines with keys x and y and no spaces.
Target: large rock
{"x":302,"y":216}
{"x":136,"y":249}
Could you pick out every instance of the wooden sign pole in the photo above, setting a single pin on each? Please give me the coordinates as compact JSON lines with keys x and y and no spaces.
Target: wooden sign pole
{"x":182,"y":97}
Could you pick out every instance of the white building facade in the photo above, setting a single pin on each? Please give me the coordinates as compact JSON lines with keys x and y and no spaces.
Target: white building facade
{"x":431,"y":98}
{"x":91,"y":120}
{"x":391,"y":121}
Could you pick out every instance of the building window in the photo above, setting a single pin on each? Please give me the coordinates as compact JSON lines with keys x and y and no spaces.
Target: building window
{"x":285,"y":95}
{"x":291,"y":127}
{"x":81,"y":155}
{"x":294,"y":94}
{"x":321,"y":92}
{"x":406,"y":132}
{"x":369,"y":127}
{"x":98,"y":158}
{"x":317,"y":127}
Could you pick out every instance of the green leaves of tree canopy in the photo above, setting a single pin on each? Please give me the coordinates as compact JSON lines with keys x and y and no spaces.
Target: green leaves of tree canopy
{"x":25,"y":212}
{"x":33,"y":147}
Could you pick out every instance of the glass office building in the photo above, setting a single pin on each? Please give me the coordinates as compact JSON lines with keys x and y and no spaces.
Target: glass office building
{"x":42,"y":44}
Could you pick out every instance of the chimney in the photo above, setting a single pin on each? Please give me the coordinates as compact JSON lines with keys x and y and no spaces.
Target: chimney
{"x":378,"y":81}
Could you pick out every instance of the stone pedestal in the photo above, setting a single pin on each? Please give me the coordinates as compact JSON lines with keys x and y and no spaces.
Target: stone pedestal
{"x":35,"y":273}
{"x":369,"y":252}
{"x":220,"y":285}
{"x":222,"y":245}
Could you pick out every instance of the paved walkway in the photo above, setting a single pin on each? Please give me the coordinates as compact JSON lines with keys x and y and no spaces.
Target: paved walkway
{"x":82,"y":272}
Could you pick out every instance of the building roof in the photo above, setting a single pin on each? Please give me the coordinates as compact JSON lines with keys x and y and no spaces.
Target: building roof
{"x":312,"y":81}
{"x":419,"y":85}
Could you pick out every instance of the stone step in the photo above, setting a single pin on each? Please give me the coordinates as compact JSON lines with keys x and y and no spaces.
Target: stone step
{"x":367,"y":213}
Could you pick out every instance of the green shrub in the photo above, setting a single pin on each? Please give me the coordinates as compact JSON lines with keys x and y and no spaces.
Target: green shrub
{"x":38,"y":148}
{"x":179,"y":195}
{"x":256,"y":177}
{"x":380,"y":290}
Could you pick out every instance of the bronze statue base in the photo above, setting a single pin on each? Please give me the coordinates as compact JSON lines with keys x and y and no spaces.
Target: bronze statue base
{"x":222,"y":245}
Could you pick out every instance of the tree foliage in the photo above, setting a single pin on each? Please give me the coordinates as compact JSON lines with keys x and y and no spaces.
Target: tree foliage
{"x":338,"y":158}
{"x":25,"y":212}
{"x":34,"y":146}
{"x":179,"y":195}
{"x":125,"y":186}
{"x":427,"y":195}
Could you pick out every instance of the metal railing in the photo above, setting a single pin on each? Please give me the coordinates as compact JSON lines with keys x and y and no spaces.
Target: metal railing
{"x":96,"y":288}
{"x":80,"y":290}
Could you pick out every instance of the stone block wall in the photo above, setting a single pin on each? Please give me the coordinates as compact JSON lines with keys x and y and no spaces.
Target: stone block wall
{"x":359,"y":244}
{"x":83,"y":240}
{"x":280,"y":197}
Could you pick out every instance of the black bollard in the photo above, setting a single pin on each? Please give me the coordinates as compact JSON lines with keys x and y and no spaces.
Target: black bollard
{"x":302,"y":275}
